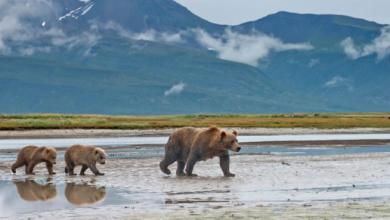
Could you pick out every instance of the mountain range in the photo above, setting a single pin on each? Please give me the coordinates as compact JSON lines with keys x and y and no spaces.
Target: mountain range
{"x":155,"y":57}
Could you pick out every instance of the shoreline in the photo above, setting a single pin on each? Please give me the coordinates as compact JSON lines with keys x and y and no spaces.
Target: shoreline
{"x":86,"y":133}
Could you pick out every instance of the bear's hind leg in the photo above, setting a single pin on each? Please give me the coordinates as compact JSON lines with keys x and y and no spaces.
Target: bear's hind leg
{"x":180,"y":168}
{"x":70,"y":169}
{"x":17,"y":164}
{"x":168,"y":160}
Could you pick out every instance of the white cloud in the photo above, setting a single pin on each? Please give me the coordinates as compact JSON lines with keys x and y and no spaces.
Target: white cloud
{"x":85,"y":40}
{"x":12,"y":22}
{"x":338,"y":81}
{"x":149,"y":35}
{"x":350,"y":49}
{"x":28,"y":51}
{"x":245,"y":48}
{"x":313,"y":62}
{"x":18,"y":32}
{"x":380,"y":46}
{"x":176,"y":89}
{"x":16,"y":28}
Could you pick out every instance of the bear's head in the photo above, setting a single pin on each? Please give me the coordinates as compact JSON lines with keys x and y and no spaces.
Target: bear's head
{"x":50,"y":155}
{"x":229,"y":140}
{"x":100,"y":155}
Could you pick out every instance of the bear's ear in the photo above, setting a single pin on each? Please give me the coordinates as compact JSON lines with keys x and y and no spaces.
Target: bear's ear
{"x":223,"y":135}
{"x":47,"y":150}
{"x":96,"y":152}
{"x":235,"y":132}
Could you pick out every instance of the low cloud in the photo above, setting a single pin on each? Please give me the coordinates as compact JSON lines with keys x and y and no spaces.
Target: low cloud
{"x":350,"y":49}
{"x":338,"y":81}
{"x":22,"y":24}
{"x":149,"y":35}
{"x":28,"y":51}
{"x":86,"y":40}
{"x":245,"y":48}
{"x":175,"y":90}
{"x":379,"y":46}
{"x":313,"y":62}
{"x":14,"y":25}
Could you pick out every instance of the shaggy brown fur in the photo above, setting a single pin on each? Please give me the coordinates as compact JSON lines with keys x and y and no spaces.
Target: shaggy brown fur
{"x":30,"y":156}
{"x":81,"y":194}
{"x":189,"y":145}
{"x":32,"y":191}
{"x":86,"y":156}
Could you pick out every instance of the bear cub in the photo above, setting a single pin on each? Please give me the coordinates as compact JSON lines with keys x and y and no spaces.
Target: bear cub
{"x":30,"y":156}
{"x":189,"y":145}
{"x":86,"y":156}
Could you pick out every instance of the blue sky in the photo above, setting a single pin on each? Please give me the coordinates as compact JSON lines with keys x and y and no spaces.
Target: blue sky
{"x":239,"y":11}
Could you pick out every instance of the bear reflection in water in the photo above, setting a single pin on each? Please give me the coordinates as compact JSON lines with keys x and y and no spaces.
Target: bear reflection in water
{"x":82,"y":194}
{"x":32,"y":191}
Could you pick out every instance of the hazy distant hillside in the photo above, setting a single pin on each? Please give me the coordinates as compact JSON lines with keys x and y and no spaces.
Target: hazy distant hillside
{"x":156,"y":57}
{"x":319,"y":30}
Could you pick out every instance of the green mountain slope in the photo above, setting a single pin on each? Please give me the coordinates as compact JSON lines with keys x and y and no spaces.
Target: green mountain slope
{"x":138,"y":86}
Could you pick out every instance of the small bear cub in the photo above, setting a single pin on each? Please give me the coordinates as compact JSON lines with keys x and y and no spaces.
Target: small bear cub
{"x":31,"y":155}
{"x":85,"y":156}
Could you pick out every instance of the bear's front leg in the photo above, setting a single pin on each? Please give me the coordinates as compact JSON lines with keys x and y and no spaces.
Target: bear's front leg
{"x":50,"y":168}
{"x":30,"y":169}
{"x":191,"y":161}
{"x":83,"y":169}
{"x":224,"y":162}
{"x":95,"y":170}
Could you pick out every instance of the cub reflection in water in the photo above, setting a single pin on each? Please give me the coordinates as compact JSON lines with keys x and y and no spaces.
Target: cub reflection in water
{"x":82,"y":194}
{"x":32,"y":191}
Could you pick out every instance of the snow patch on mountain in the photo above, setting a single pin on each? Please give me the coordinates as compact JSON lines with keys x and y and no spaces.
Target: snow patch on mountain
{"x":88,"y":4}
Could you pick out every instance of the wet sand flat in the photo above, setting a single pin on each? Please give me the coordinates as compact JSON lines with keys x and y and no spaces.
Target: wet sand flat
{"x":353,"y":186}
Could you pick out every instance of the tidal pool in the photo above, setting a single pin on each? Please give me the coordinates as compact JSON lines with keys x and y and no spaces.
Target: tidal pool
{"x":28,"y":195}
{"x":126,"y":141}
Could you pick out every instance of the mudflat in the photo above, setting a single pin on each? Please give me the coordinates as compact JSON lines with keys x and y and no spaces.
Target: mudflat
{"x":271,"y":187}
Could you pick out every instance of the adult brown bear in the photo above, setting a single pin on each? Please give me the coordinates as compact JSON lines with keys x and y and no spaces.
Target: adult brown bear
{"x":189,"y":145}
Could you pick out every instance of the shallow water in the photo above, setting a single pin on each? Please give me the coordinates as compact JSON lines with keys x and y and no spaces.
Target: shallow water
{"x":125,"y":141}
{"x":274,"y":150}
{"x":132,"y":187}
{"x":28,"y":195}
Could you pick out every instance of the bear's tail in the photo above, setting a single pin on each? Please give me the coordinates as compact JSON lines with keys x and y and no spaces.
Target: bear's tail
{"x":66,"y":169}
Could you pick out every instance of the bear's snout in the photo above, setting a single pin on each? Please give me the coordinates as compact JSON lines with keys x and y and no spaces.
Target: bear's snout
{"x":238,"y":149}
{"x":104,"y":163}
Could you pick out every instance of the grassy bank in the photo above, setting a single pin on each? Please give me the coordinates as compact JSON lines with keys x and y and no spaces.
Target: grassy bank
{"x":317,"y":120}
